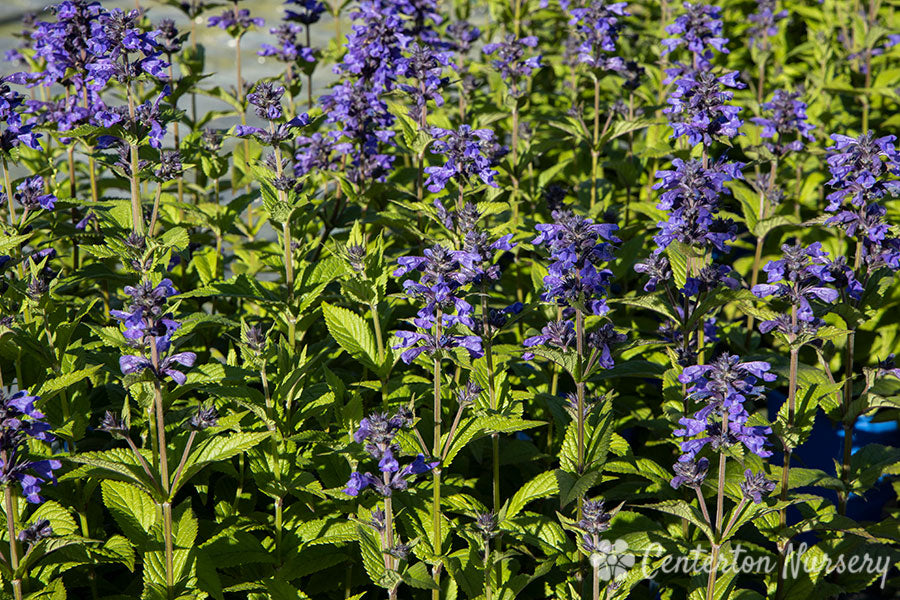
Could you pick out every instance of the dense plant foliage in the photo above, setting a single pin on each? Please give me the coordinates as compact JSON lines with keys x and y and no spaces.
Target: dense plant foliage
{"x":482,"y":299}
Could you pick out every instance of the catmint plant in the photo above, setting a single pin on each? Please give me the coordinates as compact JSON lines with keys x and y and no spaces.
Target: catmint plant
{"x":577,"y":283}
{"x":377,"y":433}
{"x":19,"y":472}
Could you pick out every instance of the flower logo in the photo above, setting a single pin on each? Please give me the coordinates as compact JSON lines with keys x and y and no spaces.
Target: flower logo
{"x":611,"y":559}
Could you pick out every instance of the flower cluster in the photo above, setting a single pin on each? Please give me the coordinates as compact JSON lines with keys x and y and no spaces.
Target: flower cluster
{"x":19,"y":422}
{"x":355,"y":107}
{"x":788,"y":118}
{"x":724,"y":386}
{"x":64,"y":46}
{"x":462,"y":35}
{"x":423,"y":68}
{"x":511,"y":62}
{"x":266,"y":100}
{"x":699,"y":29}
{"x":305,"y":12}
{"x":123,"y":51}
{"x":13,"y":130}
{"x":804,"y":274}
{"x":478,"y":248}
{"x":698,"y":107}
{"x":469,"y":153}
{"x":438,"y":289}
{"x":594,"y":521}
{"x":578,"y":247}
{"x":149,"y":328}
{"x":289,"y":48}
{"x":30,"y":194}
{"x":863,"y":172}
{"x":754,"y":487}
{"x":377,"y":432}
{"x":236,"y":21}
{"x":765,"y":24}
{"x":597,"y":26}
{"x":690,"y":195}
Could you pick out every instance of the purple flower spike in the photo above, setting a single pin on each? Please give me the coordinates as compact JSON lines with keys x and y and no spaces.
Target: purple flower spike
{"x":377,"y":433}
{"x":469,"y":154}
{"x":724,"y":386}
{"x":512,"y":64}
{"x":578,"y":247}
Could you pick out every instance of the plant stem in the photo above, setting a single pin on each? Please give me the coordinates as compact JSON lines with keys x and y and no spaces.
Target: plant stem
{"x":720,"y":506}
{"x":9,"y":193}
{"x":177,"y":135}
{"x":436,"y":499}
{"x":184,"y":457}
{"x":240,"y":97}
{"x":9,"y":500}
{"x":379,"y":341}
{"x":788,"y":450}
{"x":141,"y":459}
{"x":711,"y":580}
{"x":734,"y":518}
{"x":849,"y":353}
{"x":579,"y":385}
{"x":492,"y":392}
{"x":703,"y":508}
{"x":309,"y":86}
{"x":151,"y":231}
{"x":488,"y":591}
{"x":163,"y":471}
{"x":720,"y":494}
{"x":137,"y":217}
{"x":286,"y":227}
{"x":595,"y":153}
{"x":170,"y":553}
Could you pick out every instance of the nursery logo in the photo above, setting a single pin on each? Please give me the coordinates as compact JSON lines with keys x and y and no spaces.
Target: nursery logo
{"x":611,"y":559}
{"x":800,"y":559}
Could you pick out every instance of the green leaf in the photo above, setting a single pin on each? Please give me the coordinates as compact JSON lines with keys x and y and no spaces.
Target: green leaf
{"x":215,"y":449}
{"x":52,"y":386}
{"x":352,"y":334}
{"x":186,"y":530}
{"x":749,"y":200}
{"x":651,"y":302}
{"x":762,"y":228}
{"x":60,"y":519}
{"x":373,"y":559}
{"x":117,"y":463}
{"x":679,"y":254}
{"x":55,"y":590}
{"x":682,"y":509}
{"x":116,"y":549}
{"x":417,"y":576}
{"x":542,"y":486}
{"x":133,"y":509}
{"x":570,"y":488}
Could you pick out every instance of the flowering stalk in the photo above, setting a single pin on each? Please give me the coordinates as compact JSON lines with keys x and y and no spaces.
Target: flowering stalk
{"x":137,"y":217}
{"x":177,"y":139}
{"x":163,"y":470}
{"x":492,"y":394}
{"x":10,"y":502}
{"x":720,"y":509}
{"x":8,"y":189}
{"x":436,"y":451}
{"x":579,"y":386}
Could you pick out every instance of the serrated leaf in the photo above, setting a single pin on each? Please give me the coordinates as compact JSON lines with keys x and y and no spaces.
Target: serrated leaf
{"x":60,"y":519}
{"x":133,"y":509}
{"x":542,"y":486}
{"x":352,"y":334}
{"x":215,"y":449}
